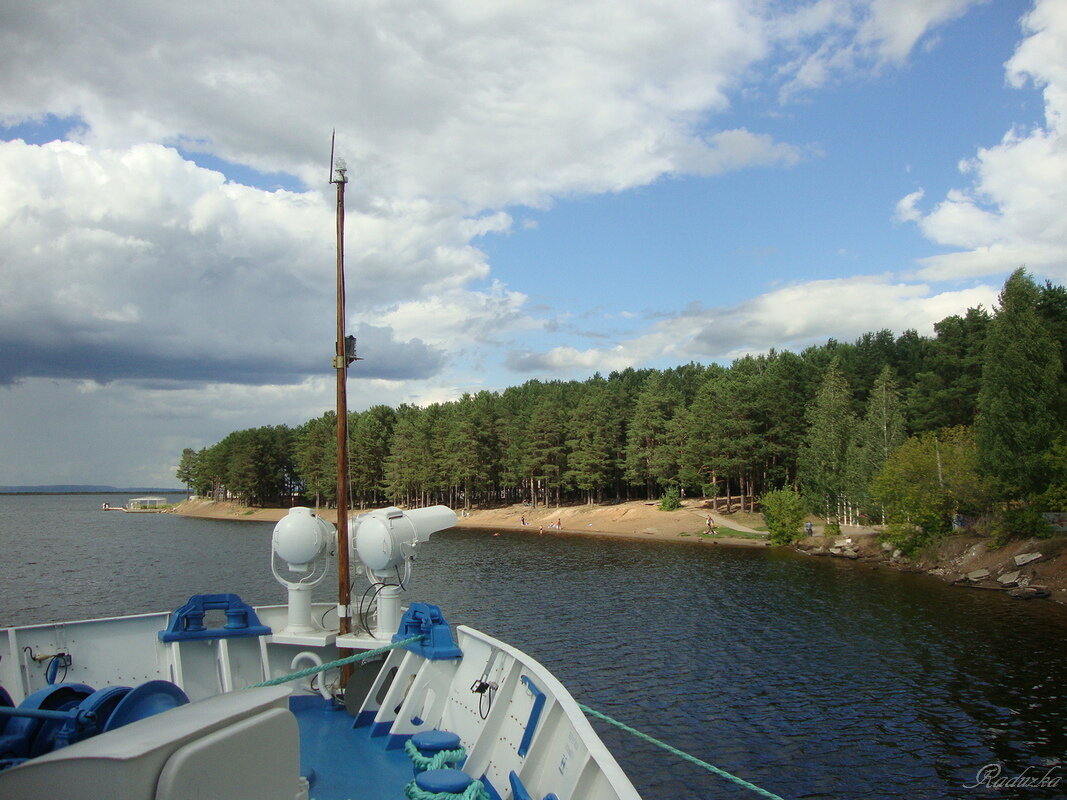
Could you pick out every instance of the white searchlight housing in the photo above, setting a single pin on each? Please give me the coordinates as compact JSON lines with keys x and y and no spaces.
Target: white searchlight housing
{"x":299,"y":538}
{"x":304,"y":542}
{"x":384,"y":540}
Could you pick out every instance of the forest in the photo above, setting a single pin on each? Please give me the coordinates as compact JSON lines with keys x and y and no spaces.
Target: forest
{"x":920,"y":433}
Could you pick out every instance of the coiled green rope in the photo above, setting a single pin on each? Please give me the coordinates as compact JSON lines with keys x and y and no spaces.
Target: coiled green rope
{"x":295,"y":676}
{"x":692,"y":759}
{"x":439,"y":760}
{"x":476,"y":791}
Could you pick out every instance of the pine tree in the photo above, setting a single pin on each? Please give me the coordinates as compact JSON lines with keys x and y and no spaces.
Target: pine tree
{"x":875,"y":437}
{"x":593,"y":432}
{"x":548,"y":435}
{"x":315,"y":457}
{"x":647,"y":459}
{"x":188,"y":467}
{"x":370,"y":435}
{"x":823,"y":461}
{"x":1019,"y":397}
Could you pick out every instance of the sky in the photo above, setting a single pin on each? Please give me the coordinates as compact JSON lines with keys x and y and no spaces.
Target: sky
{"x":542,"y":189}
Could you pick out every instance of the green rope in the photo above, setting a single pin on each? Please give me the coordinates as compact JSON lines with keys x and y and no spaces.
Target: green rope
{"x":439,"y":760}
{"x":295,"y":676}
{"x":476,"y":791}
{"x":692,"y":759}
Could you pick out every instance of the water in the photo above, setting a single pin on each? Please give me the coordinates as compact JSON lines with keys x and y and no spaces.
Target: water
{"x":813,"y":678}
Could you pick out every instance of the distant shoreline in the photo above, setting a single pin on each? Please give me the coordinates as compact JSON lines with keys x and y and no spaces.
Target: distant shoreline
{"x":83,"y":494}
{"x":78,"y":490}
{"x":633,"y":520}
{"x":951,"y":561}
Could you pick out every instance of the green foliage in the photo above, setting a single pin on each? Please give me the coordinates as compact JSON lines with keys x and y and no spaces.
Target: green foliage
{"x":832,"y":528}
{"x":874,"y":438}
{"x":943,"y":394}
{"x":1021,"y":392}
{"x":1019,"y":523}
{"x":650,"y":457}
{"x":255,"y":466}
{"x":925,"y":482}
{"x":911,"y":539}
{"x":189,"y":468}
{"x":670,"y":500}
{"x":826,"y":419}
{"x":315,"y":457}
{"x":784,"y":512}
{"x":1054,"y":498}
{"x":594,"y":441}
{"x":822,"y":465}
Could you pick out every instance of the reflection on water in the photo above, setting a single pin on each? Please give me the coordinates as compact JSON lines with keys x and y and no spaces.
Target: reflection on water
{"x":810,"y":677}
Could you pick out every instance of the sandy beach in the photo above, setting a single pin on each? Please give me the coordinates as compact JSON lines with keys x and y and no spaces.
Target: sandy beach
{"x":633,"y":520}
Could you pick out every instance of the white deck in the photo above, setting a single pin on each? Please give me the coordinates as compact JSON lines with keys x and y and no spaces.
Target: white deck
{"x":533,"y":727}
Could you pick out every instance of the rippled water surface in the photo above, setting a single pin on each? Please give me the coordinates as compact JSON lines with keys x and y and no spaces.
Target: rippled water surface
{"x":809,"y":677}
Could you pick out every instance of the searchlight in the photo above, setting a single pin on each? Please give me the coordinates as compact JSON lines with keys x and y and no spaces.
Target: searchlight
{"x":384,"y":540}
{"x":304,"y":543}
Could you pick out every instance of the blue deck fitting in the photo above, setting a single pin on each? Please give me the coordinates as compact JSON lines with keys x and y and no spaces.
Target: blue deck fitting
{"x":187,"y":623}
{"x":435,"y":749}
{"x":430,"y":742}
{"x":535,"y":715}
{"x":427,"y":621}
{"x":518,"y":788}
{"x":440,"y":781}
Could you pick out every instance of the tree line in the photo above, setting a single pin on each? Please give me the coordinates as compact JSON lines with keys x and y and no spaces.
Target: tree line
{"x":913,"y":431}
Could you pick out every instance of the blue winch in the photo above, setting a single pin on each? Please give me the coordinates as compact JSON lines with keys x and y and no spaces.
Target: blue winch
{"x":60,"y":715}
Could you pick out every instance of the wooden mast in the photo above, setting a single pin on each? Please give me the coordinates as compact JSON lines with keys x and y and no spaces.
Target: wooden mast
{"x":341,"y":360}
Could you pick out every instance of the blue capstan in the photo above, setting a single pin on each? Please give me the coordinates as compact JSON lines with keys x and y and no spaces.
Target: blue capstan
{"x":432,"y":741}
{"x":440,"y":781}
{"x":427,"y":621}
{"x":187,"y":623}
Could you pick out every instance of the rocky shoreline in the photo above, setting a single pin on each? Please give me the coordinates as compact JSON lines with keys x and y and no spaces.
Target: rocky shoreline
{"x":1027,"y":569}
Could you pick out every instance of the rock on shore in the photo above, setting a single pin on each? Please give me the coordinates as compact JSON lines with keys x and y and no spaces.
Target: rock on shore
{"x":1023,"y":569}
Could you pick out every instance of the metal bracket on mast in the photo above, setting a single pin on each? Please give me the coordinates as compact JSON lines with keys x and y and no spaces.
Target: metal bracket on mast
{"x":349,"y":356}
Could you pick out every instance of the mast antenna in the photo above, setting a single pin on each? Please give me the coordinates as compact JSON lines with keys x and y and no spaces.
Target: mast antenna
{"x":333,"y":136}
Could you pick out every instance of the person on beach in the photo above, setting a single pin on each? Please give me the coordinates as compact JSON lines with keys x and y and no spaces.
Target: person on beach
{"x":523,"y":521}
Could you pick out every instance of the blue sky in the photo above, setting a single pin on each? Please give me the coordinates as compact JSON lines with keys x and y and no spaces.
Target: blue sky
{"x":540,"y":190}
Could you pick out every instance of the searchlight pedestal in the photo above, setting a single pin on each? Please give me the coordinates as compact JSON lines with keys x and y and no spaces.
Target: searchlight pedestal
{"x":384,"y":541}
{"x":303,"y":542}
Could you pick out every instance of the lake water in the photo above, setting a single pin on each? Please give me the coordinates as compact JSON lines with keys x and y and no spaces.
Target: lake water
{"x":813,"y":678}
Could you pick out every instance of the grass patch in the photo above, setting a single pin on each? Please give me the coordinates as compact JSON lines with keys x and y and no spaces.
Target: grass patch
{"x":730,"y":533}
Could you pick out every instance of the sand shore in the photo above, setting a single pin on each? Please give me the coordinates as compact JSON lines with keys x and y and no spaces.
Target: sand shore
{"x":950,"y":561}
{"x":633,"y":520}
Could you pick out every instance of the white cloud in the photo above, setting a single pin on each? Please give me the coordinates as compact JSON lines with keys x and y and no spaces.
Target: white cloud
{"x":490,"y":105}
{"x":894,"y":27}
{"x":830,"y":39}
{"x":906,"y":210}
{"x":791,"y":317}
{"x":1014,"y":213}
{"x":145,"y":265}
